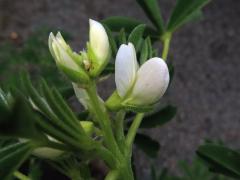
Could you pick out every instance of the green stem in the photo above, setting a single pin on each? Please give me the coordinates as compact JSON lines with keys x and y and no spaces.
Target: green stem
{"x":166,"y":43}
{"x":119,"y":128}
{"x":102,"y":118}
{"x":133,"y":130}
{"x":20,"y":176}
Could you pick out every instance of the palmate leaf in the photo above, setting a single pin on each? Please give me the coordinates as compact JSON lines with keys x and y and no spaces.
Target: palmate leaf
{"x":159,"y":118}
{"x":12,"y":156}
{"x":57,"y":119}
{"x":221,"y":159}
{"x":153,"y":12}
{"x":185,"y":11}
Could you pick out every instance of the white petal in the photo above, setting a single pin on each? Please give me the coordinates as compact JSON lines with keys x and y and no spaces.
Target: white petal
{"x":152,"y":82}
{"x":50,"y":44}
{"x":61,"y":41}
{"x":57,"y":47}
{"x":126,"y":67}
{"x":98,"y":40}
{"x":81,"y":95}
{"x":67,"y":60}
{"x":47,"y":153}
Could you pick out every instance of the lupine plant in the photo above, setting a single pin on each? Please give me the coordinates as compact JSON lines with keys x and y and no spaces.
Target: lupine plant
{"x":39,"y":119}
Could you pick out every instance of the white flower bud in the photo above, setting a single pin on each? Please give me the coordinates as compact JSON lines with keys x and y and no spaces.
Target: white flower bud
{"x":151,"y":82}
{"x":66,"y":59}
{"x":99,"y":48}
{"x":139,"y":86}
{"x":47,"y":153}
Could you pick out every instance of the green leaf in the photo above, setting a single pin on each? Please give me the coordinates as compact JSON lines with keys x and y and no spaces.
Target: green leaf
{"x":35,"y":172}
{"x":152,"y":10}
{"x":68,"y":120}
{"x":150,"y":49}
{"x":221,"y":159}
{"x":50,"y":123}
{"x":112,"y":41}
{"x":66,"y":92}
{"x":109,"y":69}
{"x":197,"y":15}
{"x":185,"y":11}
{"x":116,"y":23}
{"x":136,"y":35}
{"x":159,"y":118}
{"x":13,"y":123}
{"x":122,"y":37}
{"x":11,"y":157}
{"x":144,"y":52}
{"x":147,"y":145}
{"x":171,"y":71}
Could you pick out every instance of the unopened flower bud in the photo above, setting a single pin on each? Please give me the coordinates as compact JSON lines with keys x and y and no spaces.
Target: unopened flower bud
{"x":66,"y":59}
{"x":87,"y":126}
{"x":98,"y":48}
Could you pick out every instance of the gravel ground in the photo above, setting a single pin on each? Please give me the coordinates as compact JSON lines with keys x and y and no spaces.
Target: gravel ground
{"x":205,"y":54}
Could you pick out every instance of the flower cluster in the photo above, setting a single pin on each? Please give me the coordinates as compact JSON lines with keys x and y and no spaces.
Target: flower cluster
{"x":137,"y":86}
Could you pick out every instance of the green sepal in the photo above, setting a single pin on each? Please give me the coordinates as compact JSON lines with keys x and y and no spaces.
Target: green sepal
{"x":137,"y":108}
{"x":88,"y":127}
{"x":80,"y":76}
{"x":114,"y":102}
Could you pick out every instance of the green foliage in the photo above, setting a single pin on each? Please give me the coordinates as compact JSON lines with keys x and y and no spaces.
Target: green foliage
{"x":221,"y":159}
{"x":35,"y":172}
{"x":12,"y":156}
{"x":159,"y":118}
{"x":43,"y":110}
{"x":147,"y":145}
{"x":197,"y":170}
{"x":116,"y":23}
{"x":185,"y":11}
{"x":136,"y":35}
{"x":57,"y":117}
{"x":153,"y":12}
{"x":16,"y":120}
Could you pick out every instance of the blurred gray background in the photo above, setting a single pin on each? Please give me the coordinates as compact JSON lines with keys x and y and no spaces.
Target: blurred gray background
{"x":206,"y":88}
